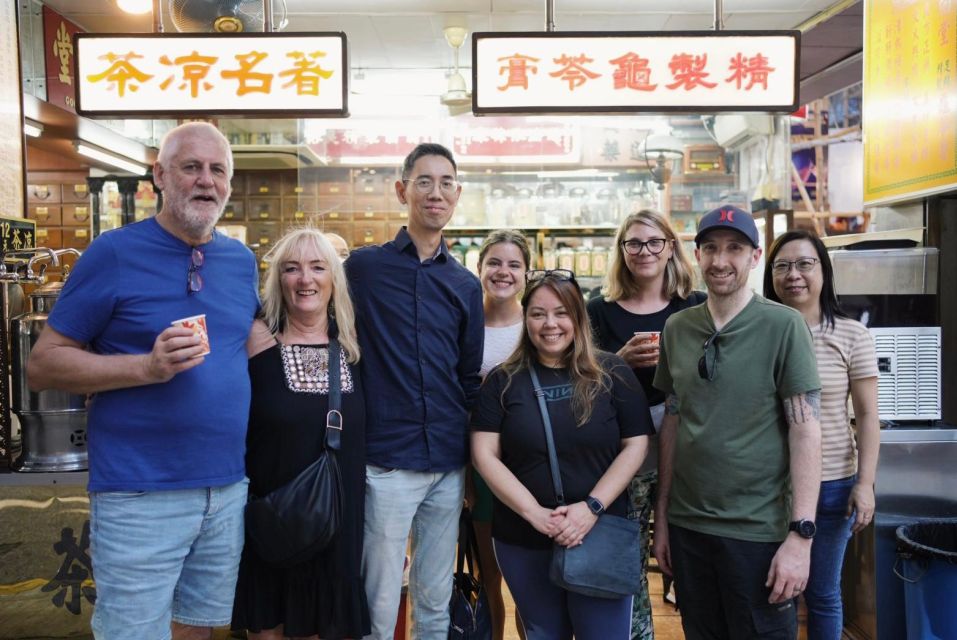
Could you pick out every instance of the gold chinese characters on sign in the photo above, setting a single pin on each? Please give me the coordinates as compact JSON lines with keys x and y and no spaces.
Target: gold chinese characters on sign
{"x":212,"y":74}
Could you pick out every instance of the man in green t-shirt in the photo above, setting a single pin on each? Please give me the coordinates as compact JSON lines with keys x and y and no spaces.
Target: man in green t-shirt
{"x":740,"y":447}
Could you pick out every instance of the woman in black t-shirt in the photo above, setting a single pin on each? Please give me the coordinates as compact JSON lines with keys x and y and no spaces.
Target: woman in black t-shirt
{"x":649,"y":278}
{"x":600,"y":421}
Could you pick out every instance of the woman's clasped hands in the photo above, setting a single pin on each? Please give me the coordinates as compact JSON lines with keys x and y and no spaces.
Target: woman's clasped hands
{"x":567,"y":525}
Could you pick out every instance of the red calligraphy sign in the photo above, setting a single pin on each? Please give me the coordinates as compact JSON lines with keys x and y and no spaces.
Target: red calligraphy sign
{"x":518,"y":69}
{"x":573,"y":70}
{"x":633,"y":73}
{"x":755,"y":69}
{"x":688,"y":72}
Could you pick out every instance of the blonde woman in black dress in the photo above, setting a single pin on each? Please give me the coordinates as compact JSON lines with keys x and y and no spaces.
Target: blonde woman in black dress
{"x":305,"y":304}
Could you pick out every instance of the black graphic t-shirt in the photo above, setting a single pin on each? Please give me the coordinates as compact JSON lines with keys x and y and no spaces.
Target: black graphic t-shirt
{"x":584,"y":453}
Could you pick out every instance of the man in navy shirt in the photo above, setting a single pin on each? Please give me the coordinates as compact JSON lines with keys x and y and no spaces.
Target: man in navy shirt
{"x":167,"y":423}
{"x":420,"y":324}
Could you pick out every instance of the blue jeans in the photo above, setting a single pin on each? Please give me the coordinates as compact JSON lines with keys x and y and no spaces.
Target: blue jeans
{"x":427,"y":504}
{"x":549,"y":612}
{"x":825,"y":613}
{"x":160,"y":556}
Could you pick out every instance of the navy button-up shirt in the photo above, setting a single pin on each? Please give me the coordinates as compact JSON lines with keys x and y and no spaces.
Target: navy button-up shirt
{"x":421,"y":329}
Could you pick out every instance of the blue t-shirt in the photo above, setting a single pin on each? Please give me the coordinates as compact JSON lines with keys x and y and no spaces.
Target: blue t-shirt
{"x":188,"y":432}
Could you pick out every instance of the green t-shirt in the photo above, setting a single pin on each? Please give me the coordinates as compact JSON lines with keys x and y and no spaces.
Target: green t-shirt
{"x":731,"y":463}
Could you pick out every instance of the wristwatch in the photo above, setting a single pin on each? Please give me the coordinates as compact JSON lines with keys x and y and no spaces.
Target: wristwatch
{"x":804,"y":528}
{"x":595,"y":505}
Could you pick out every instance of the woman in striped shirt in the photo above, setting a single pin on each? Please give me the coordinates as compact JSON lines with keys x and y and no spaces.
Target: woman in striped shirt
{"x":800,"y":275}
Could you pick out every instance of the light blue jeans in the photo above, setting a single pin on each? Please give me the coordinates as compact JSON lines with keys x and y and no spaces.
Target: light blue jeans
{"x":427,"y":505}
{"x":160,"y":556}
{"x":825,"y":611}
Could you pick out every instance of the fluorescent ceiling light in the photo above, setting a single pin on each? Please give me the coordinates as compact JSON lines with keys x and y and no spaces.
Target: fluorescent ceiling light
{"x":135,"y":6}
{"x":94,"y":153}
{"x":32,"y":129}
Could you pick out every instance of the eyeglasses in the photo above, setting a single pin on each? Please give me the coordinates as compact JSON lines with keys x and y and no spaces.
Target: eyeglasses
{"x":654,"y":246}
{"x":536,"y":275}
{"x":708,"y":364}
{"x":426,"y":185}
{"x":194,"y":281}
{"x":803,"y":265}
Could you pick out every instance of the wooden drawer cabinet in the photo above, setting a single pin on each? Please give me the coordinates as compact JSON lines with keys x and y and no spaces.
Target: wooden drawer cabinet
{"x":235,"y":211}
{"x":43,"y":193}
{"x":263,"y":208}
{"x":238,"y":183}
{"x":50,"y":238}
{"x":369,"y":233}
{"x":76,"y":192}
{"x":263,"y":234}
{"x":76,"y":215}
{"x":329,"y":188}
{"x":45,"y":214}
{"x":76,"y":237}
{"x":298,"y":208}
{"x":264,"y":183}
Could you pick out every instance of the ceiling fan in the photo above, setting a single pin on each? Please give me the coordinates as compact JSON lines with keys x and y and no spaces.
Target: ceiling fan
{"x":457,"y":97}
{"x":220,"y":16}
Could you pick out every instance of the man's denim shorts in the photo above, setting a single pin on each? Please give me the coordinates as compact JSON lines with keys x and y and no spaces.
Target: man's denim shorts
{"x":160,"y":556}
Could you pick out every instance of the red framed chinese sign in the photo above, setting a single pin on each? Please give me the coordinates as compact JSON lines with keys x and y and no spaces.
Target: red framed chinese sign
{"x":627,"y":72}
{"x":288,"y":75}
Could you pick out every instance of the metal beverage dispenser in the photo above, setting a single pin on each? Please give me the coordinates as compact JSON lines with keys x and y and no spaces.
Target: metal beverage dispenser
{"x":52,"y":422}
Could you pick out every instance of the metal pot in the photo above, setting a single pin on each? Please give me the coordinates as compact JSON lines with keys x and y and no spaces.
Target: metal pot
{"x":53,"y":422}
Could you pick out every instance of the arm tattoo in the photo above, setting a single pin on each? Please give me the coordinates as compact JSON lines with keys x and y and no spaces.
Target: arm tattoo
{"x":671,"y":405}
{"x":803,"y":407}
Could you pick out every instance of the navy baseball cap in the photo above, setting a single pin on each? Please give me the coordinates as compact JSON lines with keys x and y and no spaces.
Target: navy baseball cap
{"x":728,"y":217}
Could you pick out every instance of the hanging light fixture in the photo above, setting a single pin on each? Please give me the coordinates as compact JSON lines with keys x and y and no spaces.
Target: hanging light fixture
{"x":660,"y":151}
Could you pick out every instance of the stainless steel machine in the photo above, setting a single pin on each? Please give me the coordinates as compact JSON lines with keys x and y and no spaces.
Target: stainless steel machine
{"x":52,"y":423}
{"x":894,"y":293}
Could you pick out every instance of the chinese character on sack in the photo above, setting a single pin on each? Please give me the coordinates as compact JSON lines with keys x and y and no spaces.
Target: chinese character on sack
{"x":195,"y":70}
{"x":121,"y":73}
{"x":632,"y":73}
{"x":249,"y":80}
{"x":573,"y":70}
{"x":755,"y":69}
{"x":63,"y":49}
{"x":306,"y":72}
{"x":688,"y":71}
{"x":518,"y":69}
{"x":75,"y":573}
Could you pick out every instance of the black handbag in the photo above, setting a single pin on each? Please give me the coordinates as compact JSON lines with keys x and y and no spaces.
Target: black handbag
{"x":289,"y":525}
{"x":469,"y":615}
{"x":608,"y":562}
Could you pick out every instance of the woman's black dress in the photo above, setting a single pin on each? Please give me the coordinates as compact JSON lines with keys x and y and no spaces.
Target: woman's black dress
{"x":325,"y":595}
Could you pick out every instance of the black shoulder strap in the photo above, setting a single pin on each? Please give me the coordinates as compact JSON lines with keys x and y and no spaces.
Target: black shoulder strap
{"x":549,"y":438}
{"x":334,"y":416}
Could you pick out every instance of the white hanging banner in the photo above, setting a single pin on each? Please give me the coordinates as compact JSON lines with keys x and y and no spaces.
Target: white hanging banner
{"x":620,"y":72}
{"x":181,"y":75}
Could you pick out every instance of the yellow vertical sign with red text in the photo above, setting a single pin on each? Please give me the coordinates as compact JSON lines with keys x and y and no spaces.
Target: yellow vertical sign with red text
{"x":910,"y":99}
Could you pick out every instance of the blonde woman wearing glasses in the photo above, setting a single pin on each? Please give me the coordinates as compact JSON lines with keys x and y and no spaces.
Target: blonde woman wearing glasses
{"x":649,"y":279}
{"x":600,"y":422}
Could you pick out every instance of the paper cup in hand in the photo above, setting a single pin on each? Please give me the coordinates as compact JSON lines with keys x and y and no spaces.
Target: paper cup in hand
{"x":648,"y":337}
{"x":196,"y":324}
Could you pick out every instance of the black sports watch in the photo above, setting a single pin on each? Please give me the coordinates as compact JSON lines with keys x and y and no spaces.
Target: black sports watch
{"x":595,"y":505}
{"x":804,"y":528}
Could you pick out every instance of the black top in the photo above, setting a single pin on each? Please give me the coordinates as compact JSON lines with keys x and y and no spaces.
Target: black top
{"x":421,"y":329}
{"x":613,"y":326}
{"x":325,"y":595}
{"x":584,"y":453}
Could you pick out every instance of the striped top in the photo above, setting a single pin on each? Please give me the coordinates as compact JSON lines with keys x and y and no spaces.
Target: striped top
{"x":844,"y":354}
